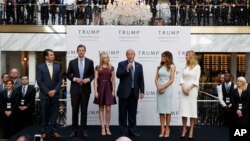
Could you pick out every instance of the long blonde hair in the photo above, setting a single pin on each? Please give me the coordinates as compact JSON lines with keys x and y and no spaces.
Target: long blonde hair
{"x":242,"y":79}
{"x":102,"y":55}
{"x":193,"y":61}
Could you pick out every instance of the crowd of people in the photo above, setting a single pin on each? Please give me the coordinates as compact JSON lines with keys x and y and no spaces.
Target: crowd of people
{"x":88,"y":12}
{"x":17,"y":96}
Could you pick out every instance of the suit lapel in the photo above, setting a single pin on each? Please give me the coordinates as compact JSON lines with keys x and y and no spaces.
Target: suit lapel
{"x":77,"y":67}
{"x":85,"y":67}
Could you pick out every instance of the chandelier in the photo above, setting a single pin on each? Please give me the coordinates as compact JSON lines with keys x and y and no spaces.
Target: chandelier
{"x":127,"y":12}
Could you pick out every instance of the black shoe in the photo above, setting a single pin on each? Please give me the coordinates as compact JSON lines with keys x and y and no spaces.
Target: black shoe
{"x":73,"y":134}
{"x":84,"y":134}
{"x":134,"y":135}
{"x":190,"y":138}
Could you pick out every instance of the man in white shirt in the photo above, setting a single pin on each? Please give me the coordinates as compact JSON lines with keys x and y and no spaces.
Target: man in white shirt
{"x":225,"y":91}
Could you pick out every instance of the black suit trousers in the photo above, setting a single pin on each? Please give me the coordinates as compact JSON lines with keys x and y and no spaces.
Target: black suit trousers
{"x":79,"y":99}
{"x":49,"y":109}
{"x":127,"y":112}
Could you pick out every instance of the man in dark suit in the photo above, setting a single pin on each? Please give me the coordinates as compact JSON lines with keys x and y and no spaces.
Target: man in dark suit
{"x":80,"y":73}
{"x":225,"y":92}
{"x":26,"y":103}
{"x":130,"y":88}
{"x":49,"y":80}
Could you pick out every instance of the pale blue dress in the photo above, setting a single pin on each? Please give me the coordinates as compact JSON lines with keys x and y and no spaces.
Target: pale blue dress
{"x":164,"y":100}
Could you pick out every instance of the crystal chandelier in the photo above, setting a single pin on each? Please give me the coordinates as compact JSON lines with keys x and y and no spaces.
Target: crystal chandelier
{"x":127,"y":12}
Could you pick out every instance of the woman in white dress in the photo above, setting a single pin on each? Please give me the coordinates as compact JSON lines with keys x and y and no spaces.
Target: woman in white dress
{"x":189,"y":85}
{"x":163,"y":81}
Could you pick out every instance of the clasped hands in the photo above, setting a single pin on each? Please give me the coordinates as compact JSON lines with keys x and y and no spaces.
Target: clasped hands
{"x":81,"y":81}
{"x":186,"y":89}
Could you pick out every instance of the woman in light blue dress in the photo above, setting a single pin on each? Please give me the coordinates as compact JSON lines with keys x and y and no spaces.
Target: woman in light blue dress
{"x":163,"y":80}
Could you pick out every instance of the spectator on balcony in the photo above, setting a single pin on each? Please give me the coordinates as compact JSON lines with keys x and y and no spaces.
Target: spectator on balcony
{"x":70,"y":18}
{"x":8,"y":109}
{"x":182,"y":11}
{"x":216,"y":11}
{"x":241,"y":104}
{"x":5,"y":78}
{"x":199,"y":11}
{"x":20,"y":11}
{"x":242,"y":13}
{"x":30,"y":7}
{"x":163,"y":81}
{"x":224,"y":12}
{"x":206,"y":12}
{"x":191,"y":11}
{"x":14,"y":75}
{"x":173,"y":12}
{"x":44,"y":4}
{"x":225,"y":92}
{"x":189,"y":85}
{"x":1,"y":10}
{"x":26,"y":103}
{"x":10,"y":11}
{"x":88,"y":15}
{"x":53,"y":11}
{"x":97,"y":14}
{"x":61,"y":12}
{"x":80,"y":9}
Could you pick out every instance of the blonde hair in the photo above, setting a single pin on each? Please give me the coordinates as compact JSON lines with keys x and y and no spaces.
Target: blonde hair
{"x":193,"y":61}
{"x":242,"y":79}
{"x":102,"y":55}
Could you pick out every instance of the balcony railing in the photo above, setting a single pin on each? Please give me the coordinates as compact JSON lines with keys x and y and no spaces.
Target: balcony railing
{"x":183,"y":14}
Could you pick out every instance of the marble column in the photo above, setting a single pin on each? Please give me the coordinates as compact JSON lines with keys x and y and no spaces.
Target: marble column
{"x":32,"y":67}
{"x":247,"y":67}
{"x":3,"y":62}
{"x":233,"y":65}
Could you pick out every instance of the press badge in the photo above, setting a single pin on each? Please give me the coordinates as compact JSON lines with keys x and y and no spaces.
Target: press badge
{"x":8,"y":105}
{"x":22,"y":101}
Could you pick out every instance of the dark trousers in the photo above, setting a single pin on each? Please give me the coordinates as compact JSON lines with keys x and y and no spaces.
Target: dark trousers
{"x":80,"y":99}
{"x":49,"y":109}
{"x":227,"y":116}
{"x":25,"y":118}
{"x":127,"y":112}
{"x":70,"y":17}
{"x":9,"y":126}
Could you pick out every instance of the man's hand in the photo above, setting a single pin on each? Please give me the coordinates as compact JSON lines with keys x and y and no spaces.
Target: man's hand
{"x":8,"y":113}
{"x":141,"y":95}
{"x":52,"y":93}
{"x":22,"y":108}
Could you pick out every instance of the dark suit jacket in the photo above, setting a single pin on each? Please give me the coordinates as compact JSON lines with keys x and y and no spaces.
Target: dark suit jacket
{"x":4,"y":100}
{"x":124,"y":87}
{"x":73,"y":71}
{"x":44,"y":81}
{"x":244,"y":99}
{"x":29,"y":98}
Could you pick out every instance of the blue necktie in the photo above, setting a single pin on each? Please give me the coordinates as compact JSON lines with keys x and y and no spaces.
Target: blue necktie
{"x":133,"y":77}
{"x":23,"y":91}
{"x":81,"y":68}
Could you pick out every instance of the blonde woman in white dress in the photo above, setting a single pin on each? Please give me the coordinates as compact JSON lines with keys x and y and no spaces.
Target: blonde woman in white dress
{"x":189,"y":86}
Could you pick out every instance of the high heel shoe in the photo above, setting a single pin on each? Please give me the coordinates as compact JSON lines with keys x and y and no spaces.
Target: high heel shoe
{"x":108,"y":131}
{"x":103,"y":133}
{"x":166,"y":134}
{"x":183,"y":137}
{"x":162,"y":133}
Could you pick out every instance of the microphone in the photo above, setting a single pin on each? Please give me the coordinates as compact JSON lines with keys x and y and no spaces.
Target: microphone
{"x":131,"y":62}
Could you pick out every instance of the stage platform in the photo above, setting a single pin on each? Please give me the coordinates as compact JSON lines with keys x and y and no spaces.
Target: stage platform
{"x":147,"y":133}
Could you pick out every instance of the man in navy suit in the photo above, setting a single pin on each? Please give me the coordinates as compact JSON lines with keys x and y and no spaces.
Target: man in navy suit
{"x":49,"y":80}
{"x":80,"y":73}
{"x":26,"y":102}
{"x":130,"y":88}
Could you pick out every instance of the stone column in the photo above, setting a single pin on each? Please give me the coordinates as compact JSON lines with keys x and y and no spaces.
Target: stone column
{"x":247,"y":67}
{"x":32,"y":67}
